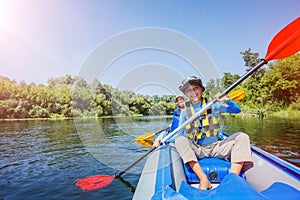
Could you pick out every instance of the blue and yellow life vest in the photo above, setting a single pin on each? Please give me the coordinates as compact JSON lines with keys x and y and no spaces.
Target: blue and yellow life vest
{"x":205,"y":127}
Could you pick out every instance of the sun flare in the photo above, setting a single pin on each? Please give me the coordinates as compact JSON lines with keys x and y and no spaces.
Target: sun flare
{"x":5,"y":15}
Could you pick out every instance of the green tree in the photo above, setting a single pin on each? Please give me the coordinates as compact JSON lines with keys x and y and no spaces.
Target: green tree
{"x":39,"y":112}
{"x":281,"y":83}
{"x":158,"y":109}
{"x":253,"y":84}
{"x":212,"y":88}
{"x":228,"y":79}
{"x":250,"y":58}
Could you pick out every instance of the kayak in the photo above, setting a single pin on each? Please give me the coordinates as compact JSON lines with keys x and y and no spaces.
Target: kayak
{"x":166,"y":177}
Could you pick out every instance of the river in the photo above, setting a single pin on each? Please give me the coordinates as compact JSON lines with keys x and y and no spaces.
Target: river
{"x":42,"y":159}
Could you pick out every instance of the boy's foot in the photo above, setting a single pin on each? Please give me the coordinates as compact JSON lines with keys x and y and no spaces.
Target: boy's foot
{"x":205,"y":185}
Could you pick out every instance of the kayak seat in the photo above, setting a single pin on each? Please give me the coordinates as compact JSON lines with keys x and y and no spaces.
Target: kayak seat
{"x":214,"y":168}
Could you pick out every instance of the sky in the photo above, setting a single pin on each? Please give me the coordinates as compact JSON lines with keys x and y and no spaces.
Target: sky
{"x":147,"y":46}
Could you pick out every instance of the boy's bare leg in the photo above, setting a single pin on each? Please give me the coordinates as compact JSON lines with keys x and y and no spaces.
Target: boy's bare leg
{"x":236,"y":167}
{"x":204,"y":182}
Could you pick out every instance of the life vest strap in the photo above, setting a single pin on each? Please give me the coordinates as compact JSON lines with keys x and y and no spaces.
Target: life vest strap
{"x":205,"y":126}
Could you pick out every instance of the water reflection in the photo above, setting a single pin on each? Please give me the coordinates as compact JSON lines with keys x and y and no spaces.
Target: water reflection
{"x":278,"y":136}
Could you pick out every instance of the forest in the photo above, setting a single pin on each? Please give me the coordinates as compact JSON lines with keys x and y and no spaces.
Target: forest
{"x":273,"y":88}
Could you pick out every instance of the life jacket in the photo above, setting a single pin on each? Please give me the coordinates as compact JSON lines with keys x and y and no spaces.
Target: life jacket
{"x":205,"y":129}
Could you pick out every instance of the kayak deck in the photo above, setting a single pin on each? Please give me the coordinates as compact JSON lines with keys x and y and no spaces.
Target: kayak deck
{"x":233,"y":187}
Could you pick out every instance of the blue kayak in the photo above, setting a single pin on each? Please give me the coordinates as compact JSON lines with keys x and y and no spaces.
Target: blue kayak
{"x":166,"y":177}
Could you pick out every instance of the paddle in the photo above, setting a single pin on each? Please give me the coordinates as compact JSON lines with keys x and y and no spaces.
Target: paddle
{"x":149,"y":136}
{"x":237,"y":95}
{"x":284,"y":44}
{"x":146,"y":139}
{"x":145,"y":143}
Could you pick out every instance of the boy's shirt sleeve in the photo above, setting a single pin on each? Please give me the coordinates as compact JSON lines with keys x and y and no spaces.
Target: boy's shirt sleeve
{"x":182,"y":131}
{"x":229,"y":107}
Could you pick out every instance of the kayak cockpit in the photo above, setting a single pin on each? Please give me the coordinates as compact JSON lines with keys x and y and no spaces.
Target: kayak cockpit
{"x":166,"y":177}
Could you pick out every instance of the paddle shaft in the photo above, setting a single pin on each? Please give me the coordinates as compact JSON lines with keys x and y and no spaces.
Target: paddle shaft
{"x":117,"y":175}
{"x":161,"y":131}
{"x":246,"y":75}
{"x":150,"y":136}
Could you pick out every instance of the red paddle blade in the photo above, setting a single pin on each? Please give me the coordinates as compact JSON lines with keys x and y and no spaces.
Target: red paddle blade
{"x":94,"y":182}
{"x":286,"y":42}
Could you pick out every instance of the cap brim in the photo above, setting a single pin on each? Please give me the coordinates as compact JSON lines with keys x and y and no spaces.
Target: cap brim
{"x":184,"y":87}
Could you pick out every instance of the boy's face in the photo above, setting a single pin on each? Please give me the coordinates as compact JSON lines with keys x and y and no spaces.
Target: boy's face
{"x":194,"y":93}
{"x":180,"y":102}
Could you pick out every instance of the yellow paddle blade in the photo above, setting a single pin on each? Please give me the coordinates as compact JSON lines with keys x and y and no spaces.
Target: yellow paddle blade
{"x":237,"y":95}
{"x":145,"y":143}
{"x":145,"y":137}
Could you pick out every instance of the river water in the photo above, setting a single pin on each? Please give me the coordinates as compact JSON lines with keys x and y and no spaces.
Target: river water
{"x":42,"y":159}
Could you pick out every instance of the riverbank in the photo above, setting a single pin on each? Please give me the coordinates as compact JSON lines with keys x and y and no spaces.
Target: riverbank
{"x":56,"y":119}
{"x":283,"y":113}
{"x":292,"y":111}
{"x":74,"y":118}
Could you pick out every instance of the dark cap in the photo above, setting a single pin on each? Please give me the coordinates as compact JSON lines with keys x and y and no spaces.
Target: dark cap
{"x":190,"y":80}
